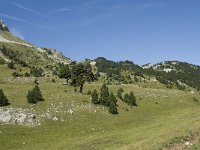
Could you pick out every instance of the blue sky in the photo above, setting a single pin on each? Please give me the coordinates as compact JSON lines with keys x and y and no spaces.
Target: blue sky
{"x":143,"y":31}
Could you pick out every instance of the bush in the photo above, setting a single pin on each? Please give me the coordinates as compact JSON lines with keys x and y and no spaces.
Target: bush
{"x":16,"y":74}
{"x":36,"y":82}
{"x":3,"y":99}
{"x":11,"y":65}
{"x":34,"y":95}
{"x":195,"y":99}
{"x":36,"y":72}
{"x":89,"y":92}
{"x":53,"y":80}
{"x":27,"y":74}
{"x":2,"y":61}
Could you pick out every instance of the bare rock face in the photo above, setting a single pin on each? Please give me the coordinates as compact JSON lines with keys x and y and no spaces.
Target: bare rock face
{"x":3,"y":26}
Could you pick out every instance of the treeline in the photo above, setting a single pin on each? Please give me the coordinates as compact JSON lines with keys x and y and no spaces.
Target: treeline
{"x":114,"y":69}
{"x":181,"y":76}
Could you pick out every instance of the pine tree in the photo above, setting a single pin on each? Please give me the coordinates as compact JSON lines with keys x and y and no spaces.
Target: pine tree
{"x":119,"y":93}
{"x":3,"y":99}
{"x":126,"y":98}
{"x":112,"y":108}
{"x":31,"y":97}
{"x":38,"y":93}
{"x":132,"y":99}
{"x":95,"y":99}
{"x":112,"y":98}
{"x":104,"y":95}
{"x":34,"y":95}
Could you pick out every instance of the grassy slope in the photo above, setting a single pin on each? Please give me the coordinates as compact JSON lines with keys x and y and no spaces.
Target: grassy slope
{"x":149,"y":126}
{"x":11,"y":37}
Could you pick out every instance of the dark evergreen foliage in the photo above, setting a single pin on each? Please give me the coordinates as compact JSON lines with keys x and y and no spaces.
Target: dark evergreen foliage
{"x":65,"y":72}
{"x":34,"y":95}
{"x":130,"y":99}
{"x":16,"y":74}
{"x":89,"y":92}
{"x":2,"y":61}
{"x":119,"y":93}
{"x":112,"y":108}
{"x":79,"y":75}
{"x":112,"y":98}
{"x":15,"y":56}
{"x":114,"y":69}
{"x":3,"y":99}
{"x":182,"y":73}
{"x":11,"y":65}
{"x":104,"y":95}
{"x":95,"y":99}
{"x":36,"y":72}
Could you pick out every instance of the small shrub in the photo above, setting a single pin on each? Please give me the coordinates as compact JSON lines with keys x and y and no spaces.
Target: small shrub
{"x":36,"y":82}
{"x":2,"y":61}
{"x":11,"y":65}
{"x":3,"y":99}
{"x":27,"y":74}
{"x":195,"y":99}
{"x":89,"y":92}
{"x":16,"y":74}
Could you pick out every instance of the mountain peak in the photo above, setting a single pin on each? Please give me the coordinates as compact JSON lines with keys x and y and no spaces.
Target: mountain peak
{"x":3,"y":26}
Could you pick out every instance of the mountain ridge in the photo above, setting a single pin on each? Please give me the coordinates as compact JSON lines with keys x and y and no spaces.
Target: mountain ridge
{"x":170,"y":73}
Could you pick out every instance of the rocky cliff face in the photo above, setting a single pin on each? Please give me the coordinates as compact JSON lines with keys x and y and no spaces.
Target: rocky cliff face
{"x":3,"y":26}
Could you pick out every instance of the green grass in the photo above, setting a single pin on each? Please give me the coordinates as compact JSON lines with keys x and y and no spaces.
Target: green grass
{"x":162,"y":117}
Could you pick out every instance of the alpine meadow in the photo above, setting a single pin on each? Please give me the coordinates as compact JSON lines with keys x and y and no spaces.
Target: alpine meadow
{"x":77,"y":99}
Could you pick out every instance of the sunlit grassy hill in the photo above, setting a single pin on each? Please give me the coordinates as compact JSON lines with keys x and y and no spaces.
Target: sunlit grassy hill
{"x":165,"y":118}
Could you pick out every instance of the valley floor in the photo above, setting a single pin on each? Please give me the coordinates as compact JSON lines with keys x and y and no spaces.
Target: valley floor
{"x":68,"y":120}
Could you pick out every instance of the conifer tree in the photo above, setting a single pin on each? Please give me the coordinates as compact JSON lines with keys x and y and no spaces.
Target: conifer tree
{"x":132,"y":99}
{"x":119,"y":93}
{"x":34,"y":95}
{"x":95,"y":99}
{"x":112,"y":98}
{"x":112,"y":108}
{"x":104,"y":95}
{"x":38,"y":93}
{"x":3,"y":99}
{"x":126,"y":98}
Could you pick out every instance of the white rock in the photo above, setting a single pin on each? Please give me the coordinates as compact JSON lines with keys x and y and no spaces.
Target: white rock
{"x":187,"y":143}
